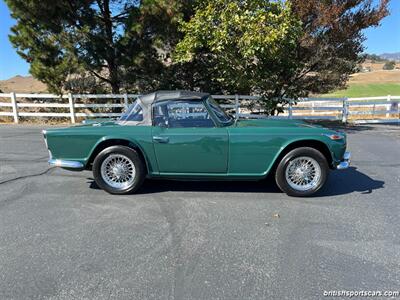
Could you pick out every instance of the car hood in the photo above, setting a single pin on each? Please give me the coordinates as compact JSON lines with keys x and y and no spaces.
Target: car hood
{"x":274,"y":123}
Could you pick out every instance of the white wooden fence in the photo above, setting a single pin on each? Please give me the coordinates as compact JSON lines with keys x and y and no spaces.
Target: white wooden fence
{"x":383,"y":109}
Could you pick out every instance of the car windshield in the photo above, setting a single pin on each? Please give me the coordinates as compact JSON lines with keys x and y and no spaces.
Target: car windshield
{"x":222,"y":116}
{"x":133,"y":113}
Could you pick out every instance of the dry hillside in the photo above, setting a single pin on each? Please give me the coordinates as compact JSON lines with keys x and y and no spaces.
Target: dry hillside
{"x":22,"y":84}
{"x":376,"y":66}
{"x":378,"y":76}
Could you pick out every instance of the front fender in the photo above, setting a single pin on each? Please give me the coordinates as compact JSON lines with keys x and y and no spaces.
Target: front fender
{"x":332,"y":150}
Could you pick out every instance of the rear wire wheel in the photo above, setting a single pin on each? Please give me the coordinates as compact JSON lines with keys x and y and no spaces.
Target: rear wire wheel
{"x":119,"y":170}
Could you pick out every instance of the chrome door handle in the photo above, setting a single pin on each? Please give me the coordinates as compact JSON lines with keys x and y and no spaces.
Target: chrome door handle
{"x":161,"y":139}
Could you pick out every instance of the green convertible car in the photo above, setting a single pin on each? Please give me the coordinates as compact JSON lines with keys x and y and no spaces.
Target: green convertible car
{"x":186,"y":135}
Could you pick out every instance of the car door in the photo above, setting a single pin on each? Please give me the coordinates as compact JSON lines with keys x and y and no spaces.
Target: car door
{"x":186,"y":139}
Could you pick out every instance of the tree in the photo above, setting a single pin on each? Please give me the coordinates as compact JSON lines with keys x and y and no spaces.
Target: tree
{"x":153,"y":68}
{"x":251,"y":42}
{"x":124,"y":44}
{"x":157,"y":31}
{"x":59,"y":38}
{"x":276,"y":48}
{"x":49,"y":62}
{"x":280,"y":49}
{"x":389,"y":65}
{"x":332,"y":41}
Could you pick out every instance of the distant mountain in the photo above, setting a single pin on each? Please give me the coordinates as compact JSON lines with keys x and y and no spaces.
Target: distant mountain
{"x":22,"y":84}
{"x":391,"y":56}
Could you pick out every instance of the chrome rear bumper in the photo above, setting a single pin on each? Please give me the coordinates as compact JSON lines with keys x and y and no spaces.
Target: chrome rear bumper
{"x":345,"y":163}
{"x":68,"y":164}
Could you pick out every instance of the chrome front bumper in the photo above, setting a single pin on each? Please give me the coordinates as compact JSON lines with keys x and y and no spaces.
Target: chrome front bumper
{"x":68,"y":164}
{"x":345,"y":163}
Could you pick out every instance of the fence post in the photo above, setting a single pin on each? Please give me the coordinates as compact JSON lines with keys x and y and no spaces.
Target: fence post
{"x":388,"y":107}
{"x":14,"y":107}
{"x":126,"y":101}
{"x":345,"y":111}
{"x":290,"y":109}
{"x":71,"y":107}
{"x":237,"y":107}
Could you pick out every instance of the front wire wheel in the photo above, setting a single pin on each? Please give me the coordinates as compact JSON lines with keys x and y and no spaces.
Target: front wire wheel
{"x":302,"y":172}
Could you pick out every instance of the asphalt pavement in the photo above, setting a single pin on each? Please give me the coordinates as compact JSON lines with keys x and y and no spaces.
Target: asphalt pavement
{"x":63,"y":238}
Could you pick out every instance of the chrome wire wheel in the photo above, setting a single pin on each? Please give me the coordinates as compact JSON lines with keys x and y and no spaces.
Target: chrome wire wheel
{"x":118,"y":171}
{"x":303,"y":173}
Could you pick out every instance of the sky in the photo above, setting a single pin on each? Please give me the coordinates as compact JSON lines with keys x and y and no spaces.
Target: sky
{"x":382,"y":39}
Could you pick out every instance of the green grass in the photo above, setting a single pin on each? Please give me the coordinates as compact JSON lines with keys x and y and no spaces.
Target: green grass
{"x":367,"y":90}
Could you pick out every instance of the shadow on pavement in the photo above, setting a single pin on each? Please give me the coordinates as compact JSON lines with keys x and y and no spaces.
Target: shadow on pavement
{"x":339,"y":183}
{"x":161,"y":185}
{"x":349,"y":181}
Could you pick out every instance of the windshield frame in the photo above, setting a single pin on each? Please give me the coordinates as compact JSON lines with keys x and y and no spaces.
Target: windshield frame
{"x":136,"y":105}
{"x":212,"y":105}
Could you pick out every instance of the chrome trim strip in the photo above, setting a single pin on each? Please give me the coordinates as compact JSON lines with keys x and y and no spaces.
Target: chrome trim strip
{"x":66,"y":164}
{"x":345,"y":163}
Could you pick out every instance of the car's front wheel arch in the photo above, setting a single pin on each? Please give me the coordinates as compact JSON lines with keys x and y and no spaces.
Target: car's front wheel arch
{"x":315,"y":144}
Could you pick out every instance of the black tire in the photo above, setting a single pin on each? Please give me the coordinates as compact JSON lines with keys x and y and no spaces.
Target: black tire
{"x":280,"y":174}
{"x":133,"y":156}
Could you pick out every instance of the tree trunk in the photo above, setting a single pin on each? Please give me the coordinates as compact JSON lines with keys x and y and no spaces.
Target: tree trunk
{"x":111,"y":56}
{"x":115,"y":88}
{"x":113,"y":77}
